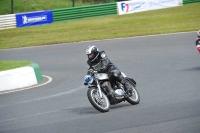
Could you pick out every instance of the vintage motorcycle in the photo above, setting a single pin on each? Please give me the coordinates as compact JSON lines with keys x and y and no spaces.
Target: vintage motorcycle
{"x":98,"y":96}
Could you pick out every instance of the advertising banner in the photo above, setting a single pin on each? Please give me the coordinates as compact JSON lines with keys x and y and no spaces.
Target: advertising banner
{"x":34,"y":18}
{"x":127,"y":7}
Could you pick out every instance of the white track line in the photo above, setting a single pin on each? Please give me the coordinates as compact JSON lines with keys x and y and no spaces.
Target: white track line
{"x":48,"y":97}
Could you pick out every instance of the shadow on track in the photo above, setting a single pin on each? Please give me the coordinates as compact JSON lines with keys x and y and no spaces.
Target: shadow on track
{"x":92,"y":110}
{"x":192,"y":69}
{"x":85,"y":110}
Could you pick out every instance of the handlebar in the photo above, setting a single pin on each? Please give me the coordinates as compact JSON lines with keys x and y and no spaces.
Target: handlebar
{"x":92,"y":71}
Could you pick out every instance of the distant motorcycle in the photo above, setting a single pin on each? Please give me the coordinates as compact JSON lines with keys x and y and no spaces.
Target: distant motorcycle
{"x":98,"y":96}
{"x":198,"y":44}
{"x":198,"y":48}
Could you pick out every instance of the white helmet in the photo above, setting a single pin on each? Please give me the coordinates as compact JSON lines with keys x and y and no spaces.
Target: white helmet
{"x":92,"y":52}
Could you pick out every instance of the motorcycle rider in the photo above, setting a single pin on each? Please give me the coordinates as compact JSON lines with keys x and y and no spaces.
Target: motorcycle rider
{"x":198,"y":40}
{"x":98,"y":61}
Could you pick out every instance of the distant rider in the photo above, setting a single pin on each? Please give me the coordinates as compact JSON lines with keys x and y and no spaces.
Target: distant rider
{"x":198,"y":40}
{"x":98,"y":61}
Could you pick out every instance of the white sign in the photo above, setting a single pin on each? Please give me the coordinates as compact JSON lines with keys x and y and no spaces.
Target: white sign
{"x":27,"y":20}
{"x":127,"y":7}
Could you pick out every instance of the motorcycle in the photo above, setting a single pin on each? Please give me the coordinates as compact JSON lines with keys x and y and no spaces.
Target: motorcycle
{"x":198,"y":44}
{"x":98,"y":96}
{"x":198,"y":48}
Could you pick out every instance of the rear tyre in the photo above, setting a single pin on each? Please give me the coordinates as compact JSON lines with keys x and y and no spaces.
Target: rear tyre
{"x":134,"y":97}
{"x":101,"y":104}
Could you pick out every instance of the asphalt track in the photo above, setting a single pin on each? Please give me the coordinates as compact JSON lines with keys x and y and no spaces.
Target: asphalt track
{"x":166,"y":68}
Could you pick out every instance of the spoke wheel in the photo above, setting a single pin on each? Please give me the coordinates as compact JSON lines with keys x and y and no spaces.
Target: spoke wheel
{"x":101,"y":104}
{"x":133,"y":97}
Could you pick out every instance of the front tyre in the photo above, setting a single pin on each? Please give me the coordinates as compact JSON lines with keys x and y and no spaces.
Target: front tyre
{"x":101,"y":104}
{"x":134,"y":97}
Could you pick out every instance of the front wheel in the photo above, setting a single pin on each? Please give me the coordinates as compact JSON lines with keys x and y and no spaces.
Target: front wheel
{"x":101,"y":104}
{"x":134,"y":97}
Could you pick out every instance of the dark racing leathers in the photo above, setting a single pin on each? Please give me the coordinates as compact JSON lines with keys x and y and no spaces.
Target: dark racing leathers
{"x":102,"y":64}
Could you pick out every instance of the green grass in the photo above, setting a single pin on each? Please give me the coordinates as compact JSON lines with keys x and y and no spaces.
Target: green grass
{"x":12,"y":64}
{"x":38,"y":5}
{"x":178,"y":19}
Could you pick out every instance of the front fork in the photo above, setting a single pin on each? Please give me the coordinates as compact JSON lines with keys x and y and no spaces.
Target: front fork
{"x":99,"y":88}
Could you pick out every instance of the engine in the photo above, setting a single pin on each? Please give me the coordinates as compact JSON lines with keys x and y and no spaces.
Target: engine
{"x":119,"y":94}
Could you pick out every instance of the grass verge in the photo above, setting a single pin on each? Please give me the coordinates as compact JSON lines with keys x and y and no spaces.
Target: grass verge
{"x":38,"y":5}
{"x":178,"y":19}
{"x":12,"y":64}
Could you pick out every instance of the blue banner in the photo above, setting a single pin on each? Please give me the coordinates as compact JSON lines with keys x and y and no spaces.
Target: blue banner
{"x":34,"y":18}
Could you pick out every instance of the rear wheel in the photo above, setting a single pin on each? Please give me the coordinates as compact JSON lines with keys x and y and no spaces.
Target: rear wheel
{"x":133,"y":97}
{"x":101,"y":104}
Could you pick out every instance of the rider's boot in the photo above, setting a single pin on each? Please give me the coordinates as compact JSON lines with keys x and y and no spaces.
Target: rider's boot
{"x":128,"y":87}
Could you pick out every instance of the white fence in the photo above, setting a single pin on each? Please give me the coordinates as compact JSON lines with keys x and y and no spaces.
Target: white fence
{"x":7,"y":21}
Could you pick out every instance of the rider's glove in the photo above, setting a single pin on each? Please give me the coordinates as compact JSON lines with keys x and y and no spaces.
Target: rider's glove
{"x":88,"y":80}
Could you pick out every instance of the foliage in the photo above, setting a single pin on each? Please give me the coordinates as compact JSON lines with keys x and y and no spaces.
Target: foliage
{"x":38,"y":5}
